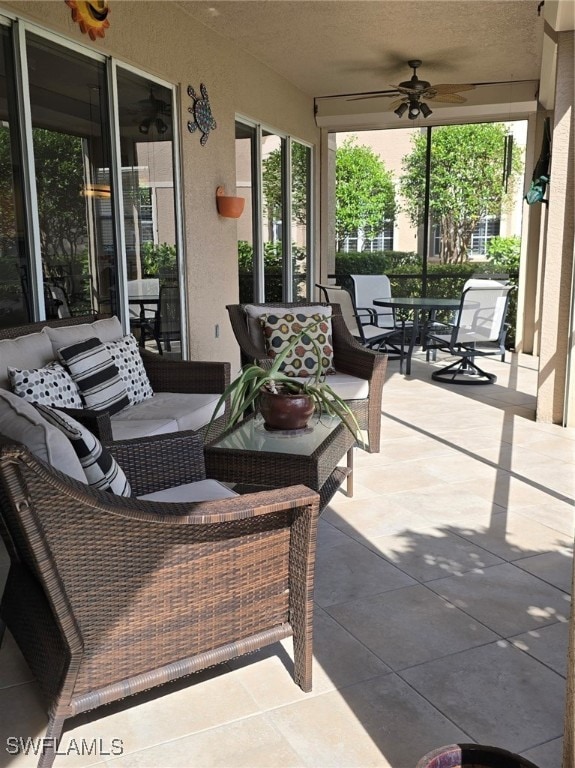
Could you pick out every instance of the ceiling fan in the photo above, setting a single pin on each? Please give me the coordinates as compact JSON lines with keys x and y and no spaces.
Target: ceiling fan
{"x":412,"y":93}
{"x":152,"y":109}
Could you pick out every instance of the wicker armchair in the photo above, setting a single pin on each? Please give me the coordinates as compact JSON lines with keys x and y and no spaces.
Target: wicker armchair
{"x":350,"y":357}
{"x":107,"y":596}
{"x":195,"y":376}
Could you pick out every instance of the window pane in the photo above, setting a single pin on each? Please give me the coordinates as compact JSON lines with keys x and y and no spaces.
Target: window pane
{"x":15,"y":288}
{"x":72,"y":158}
{"x":300,"y":210}
{"x":146,"y":146}
{"x":245,"y":140}
{"x":273,"y":155}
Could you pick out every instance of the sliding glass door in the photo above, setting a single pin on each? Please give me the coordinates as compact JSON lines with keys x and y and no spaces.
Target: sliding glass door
{"x":273,"y":173}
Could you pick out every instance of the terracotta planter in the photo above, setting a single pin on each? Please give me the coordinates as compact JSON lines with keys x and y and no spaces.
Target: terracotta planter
{"x":285,"y":410}
{"x":230,"y":207}
{"x":473,"y":756}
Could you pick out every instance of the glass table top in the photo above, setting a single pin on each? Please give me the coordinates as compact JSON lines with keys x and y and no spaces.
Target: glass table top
{"x":251,"y":435}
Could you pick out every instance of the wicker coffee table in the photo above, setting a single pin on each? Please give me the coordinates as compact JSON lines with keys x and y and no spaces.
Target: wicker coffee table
{"x":253,"y":458}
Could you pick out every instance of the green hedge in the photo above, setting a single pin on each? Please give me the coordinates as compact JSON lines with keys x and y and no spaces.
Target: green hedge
{"x":405,"y":276}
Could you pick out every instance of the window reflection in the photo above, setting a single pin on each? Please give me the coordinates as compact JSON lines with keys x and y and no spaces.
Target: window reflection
{"x":72,"y":160}
{"x":15,"y":287}
{"x":146,"y":145}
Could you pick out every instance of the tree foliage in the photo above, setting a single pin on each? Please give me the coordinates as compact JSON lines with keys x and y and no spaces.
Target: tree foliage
{"x":364,"y":191}
{"x":272,"y":183}
{"x":59,"y":183}
{"x":466,"y":182}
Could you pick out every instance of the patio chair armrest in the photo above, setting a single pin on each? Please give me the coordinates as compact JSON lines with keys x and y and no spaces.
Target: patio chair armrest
{"x":351,"y":357}
{"x":160,"y":461}
{"x":98,"y":422}
{"x":186,"y":375}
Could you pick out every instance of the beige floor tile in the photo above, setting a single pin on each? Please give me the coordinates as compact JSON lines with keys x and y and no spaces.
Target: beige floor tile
{"x":548,"y":645}
{"x":548,"y":755}
{"x":351,"y":571}
{"x":432,"y":553}
{"x":407,"y":475}
{"x":505,"y":598}
{"x":376,"y":516}
{"x":512,"y":536}
{"x":380,"y":723}
{"x":203,"y":701}
{"x":499,"y":695}
{"x":441,"y":505}
{"x":555,"y":568}
{"x":555,"y":514}
{"x":339,"y":660}
{"x":393,"y":624}
{"x":249,"y":743}
{"x":512,"y":490}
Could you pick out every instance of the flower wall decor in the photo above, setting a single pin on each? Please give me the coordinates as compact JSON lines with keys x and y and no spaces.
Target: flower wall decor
{"x":92,"y":17}
{"x":202,"y":112}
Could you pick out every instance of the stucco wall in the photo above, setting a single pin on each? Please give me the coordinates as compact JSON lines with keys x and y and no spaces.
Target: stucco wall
{"x":556,"y":357}
{"x":162,"y":39}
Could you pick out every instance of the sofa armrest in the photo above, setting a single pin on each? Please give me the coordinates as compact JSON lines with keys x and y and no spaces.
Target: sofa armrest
{"x":186,"y":375}
{"x":160,"y":461}
{"x":98,"y":422}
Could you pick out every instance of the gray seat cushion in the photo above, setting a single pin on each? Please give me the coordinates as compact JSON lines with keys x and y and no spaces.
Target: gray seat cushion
{"x":164,"y":412}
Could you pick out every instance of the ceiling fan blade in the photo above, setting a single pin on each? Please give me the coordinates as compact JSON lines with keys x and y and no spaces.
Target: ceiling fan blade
{"x":452,"y":87}
{"x":447,"y":98}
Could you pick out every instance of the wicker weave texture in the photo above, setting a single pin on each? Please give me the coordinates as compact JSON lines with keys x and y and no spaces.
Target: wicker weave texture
{"x":107,"y":596}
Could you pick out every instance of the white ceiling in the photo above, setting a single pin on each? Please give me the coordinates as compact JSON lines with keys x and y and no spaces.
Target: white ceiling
{"x":327,"y":47}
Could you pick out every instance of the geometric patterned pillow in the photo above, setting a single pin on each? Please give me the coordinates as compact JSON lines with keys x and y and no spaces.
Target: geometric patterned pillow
{"x":101,"y":468}
{"x":50,"y":385}
{"x":301,"y":362}
{"x":96,"y":375}
{"x":126,"y":356}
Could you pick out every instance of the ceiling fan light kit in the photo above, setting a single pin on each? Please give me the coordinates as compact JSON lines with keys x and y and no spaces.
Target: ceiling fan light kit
{"x":412,"y":93}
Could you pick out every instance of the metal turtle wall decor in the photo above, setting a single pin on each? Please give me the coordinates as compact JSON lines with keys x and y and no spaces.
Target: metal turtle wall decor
{"x":202,"y":112}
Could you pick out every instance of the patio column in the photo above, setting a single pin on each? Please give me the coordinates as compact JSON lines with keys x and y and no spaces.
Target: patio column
{"x":555,"y":396}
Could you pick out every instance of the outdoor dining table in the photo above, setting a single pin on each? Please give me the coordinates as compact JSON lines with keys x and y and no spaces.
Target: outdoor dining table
{"x":422,"y":308}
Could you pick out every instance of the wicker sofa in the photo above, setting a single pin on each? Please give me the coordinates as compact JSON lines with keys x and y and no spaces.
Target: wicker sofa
{"x":185,"y":392}
{"x":360,"y":372}
{"x":107,"y":596}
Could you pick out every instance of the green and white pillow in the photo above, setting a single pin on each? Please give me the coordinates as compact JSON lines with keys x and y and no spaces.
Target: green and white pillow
{"x":302,"y":361}
{"x":96,"y":375}
{"x":100,"y":467}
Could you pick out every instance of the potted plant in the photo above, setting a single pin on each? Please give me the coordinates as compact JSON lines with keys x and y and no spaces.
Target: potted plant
{"x":278,"y":395}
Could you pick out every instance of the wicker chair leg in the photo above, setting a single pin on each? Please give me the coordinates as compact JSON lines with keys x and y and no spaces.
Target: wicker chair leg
{"x":51,"y":741}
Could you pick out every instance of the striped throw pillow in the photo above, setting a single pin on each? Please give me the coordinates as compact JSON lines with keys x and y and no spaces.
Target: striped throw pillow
{"x":96,"y":375}
{"x":100,"y":467}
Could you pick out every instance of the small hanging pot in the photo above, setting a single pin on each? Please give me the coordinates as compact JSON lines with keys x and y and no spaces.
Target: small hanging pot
{"x":230,"y":207}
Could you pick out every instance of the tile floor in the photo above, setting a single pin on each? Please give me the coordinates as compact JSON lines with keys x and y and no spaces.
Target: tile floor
{"x":442,"y":606}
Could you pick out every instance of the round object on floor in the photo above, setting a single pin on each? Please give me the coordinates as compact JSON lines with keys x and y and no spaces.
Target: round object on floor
{"x":473,"y":756}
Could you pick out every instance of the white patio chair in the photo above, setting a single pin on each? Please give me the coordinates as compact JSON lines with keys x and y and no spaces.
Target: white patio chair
{"x":369,"y":287}
{"x":478,"y":330}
